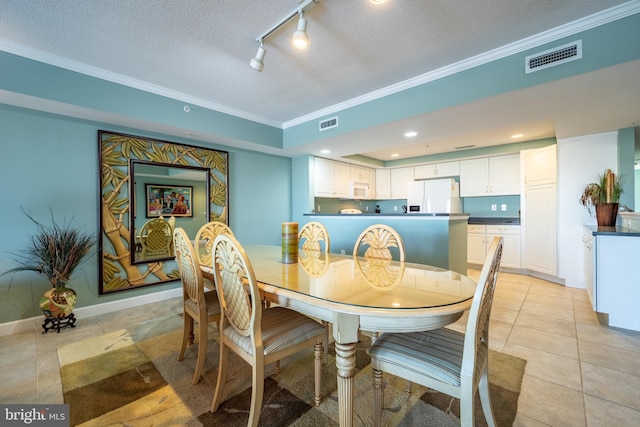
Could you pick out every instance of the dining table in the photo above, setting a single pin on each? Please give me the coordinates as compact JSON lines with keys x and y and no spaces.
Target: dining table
{"x":357,"y":294}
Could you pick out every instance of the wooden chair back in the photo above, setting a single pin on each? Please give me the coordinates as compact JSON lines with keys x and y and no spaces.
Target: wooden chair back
{"x":311,"y":235}
{"x":379,"y":239}
{"x":205,"y":237}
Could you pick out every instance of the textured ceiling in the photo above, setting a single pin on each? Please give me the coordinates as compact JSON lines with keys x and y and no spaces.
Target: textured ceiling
{"x":199,"y":50}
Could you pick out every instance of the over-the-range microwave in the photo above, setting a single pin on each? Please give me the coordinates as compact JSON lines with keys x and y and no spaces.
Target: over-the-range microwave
{"x":360,"y":190}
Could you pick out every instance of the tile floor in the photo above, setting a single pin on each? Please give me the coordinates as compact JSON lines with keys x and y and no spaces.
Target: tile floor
{"x":578,"y":372}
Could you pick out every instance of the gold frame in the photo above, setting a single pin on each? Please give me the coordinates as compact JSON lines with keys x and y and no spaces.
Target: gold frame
{"x":116,"y":151}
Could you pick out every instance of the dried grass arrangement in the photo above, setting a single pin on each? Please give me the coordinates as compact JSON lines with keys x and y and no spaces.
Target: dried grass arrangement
{"x":55,"y":251}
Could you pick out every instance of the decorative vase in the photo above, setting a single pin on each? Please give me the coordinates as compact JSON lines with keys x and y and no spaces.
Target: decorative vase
{"x":58,"y":302}
{"x":289,"y":242}
{"x":606,"y":214}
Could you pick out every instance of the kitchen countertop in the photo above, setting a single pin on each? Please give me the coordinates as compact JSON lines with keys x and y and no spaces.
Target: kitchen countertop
{"x":396,"y":215}
{"x":611,"y":231}
{"x":494,"y":220}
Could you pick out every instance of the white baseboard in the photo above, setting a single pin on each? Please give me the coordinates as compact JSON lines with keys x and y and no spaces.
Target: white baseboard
{"x":35,"y":322}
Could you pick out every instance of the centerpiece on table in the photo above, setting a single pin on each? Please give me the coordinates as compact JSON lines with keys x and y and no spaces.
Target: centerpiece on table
{"x":604,"y":195}
{"x":55,"y":252}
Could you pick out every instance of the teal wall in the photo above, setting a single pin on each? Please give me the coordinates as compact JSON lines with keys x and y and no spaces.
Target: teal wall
{"x":50,"y":162}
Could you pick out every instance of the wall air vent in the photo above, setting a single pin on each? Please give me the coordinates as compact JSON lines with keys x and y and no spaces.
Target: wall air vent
{"x":552,"y":57}
{"x":329,"y":123}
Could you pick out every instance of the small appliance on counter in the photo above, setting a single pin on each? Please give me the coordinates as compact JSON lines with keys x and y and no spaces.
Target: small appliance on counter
{"x":434,"y":196}
{"x":350,"y":211}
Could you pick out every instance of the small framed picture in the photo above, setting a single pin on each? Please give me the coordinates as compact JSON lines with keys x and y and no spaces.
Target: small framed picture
{"x":166,"y":200}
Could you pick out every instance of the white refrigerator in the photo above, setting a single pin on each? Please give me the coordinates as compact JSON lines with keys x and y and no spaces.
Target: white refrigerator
{"x":434,"y":196}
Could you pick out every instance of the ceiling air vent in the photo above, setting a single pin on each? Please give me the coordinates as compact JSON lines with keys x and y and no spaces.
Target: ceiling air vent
{"x":329,"y":123}
{"x":552,"y":57}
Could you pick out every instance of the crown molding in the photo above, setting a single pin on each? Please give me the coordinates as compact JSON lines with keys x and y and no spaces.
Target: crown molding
{"x":566,"y":30}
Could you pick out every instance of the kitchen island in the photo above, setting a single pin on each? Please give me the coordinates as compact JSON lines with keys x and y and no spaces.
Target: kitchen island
{"x":435,"y":239}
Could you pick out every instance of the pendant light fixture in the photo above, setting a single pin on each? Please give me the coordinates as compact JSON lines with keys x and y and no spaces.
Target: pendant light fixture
{"x":300,"y":37}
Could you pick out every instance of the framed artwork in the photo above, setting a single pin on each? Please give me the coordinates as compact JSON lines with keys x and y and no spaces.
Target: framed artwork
{"x":163,"y":200}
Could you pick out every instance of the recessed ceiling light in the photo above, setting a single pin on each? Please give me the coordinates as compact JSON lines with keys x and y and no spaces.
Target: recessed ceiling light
{"x":395,"y":155}
{"x":411,"y":134}
{"x":325,"y":151}
{"x":377,"y":1}
{"x":517,"y":135}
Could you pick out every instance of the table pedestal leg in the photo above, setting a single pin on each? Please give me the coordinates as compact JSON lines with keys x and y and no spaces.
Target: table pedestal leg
{"x":345,"y":331}
{"x":345,"y":362}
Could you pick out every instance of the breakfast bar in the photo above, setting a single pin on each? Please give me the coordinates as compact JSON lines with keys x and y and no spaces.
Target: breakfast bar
{"x":435,"y":239}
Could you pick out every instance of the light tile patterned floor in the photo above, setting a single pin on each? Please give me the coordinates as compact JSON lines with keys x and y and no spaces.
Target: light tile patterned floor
{"x":579,"y":373}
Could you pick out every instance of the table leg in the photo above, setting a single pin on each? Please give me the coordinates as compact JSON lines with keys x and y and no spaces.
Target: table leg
{"x":345,"y":332}
{"x":345,"y":362}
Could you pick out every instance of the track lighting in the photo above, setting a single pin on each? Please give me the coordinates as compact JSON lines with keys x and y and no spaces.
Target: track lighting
{"x":300,"y":37}
{"x":257,"y":63}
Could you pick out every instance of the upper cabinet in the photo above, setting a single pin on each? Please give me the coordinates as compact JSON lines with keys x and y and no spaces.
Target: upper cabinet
{"x":332,"y":179}
{"x":540,"y":166}
{"x":490,"y":176}
{"x":437,"y":170}
{"x":400,"y":177}
{"x":383,"y":184}
{"x":362,"y":174}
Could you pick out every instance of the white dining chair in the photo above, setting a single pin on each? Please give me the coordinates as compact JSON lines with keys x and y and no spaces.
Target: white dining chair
{"x":379,"y":240}
{"x":258,"y":335}
{"x":443,"y":359}
{"x":198,"y":306}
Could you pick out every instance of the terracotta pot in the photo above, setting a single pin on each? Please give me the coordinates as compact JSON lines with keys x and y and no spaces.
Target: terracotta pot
{"x":606,"y":214}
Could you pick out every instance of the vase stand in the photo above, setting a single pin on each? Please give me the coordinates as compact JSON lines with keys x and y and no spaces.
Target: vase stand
{"x":58,"y":323}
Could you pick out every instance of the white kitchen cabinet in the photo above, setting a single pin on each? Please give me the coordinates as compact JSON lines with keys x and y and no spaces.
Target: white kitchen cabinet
{"x":437,"y":170}
{"x":540,"y":210}
{"x":479,"y":238}
{"x":611,"y":263}
{"x":383,"y":184}
{"x":361,"y":174}
{"x":541,"y":234}
{"x":332,"y":179}
{"x":490,"y":176}
{"x":400,"y":177}
{"x":540,"y":166}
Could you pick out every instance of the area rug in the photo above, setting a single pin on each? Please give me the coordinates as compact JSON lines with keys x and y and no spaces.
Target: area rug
{"x":132,"y":377}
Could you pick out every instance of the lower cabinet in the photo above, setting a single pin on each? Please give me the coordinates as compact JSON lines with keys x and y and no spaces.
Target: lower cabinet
{"x":479,"y":238}
{"x":611,"y":260}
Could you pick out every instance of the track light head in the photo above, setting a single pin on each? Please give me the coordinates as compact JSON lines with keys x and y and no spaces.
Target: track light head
{"x":300,"y":37}
{"x":257,"y":63}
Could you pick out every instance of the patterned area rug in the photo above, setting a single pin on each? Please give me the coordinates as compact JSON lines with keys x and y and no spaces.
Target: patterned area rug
{"x":132,"y":377}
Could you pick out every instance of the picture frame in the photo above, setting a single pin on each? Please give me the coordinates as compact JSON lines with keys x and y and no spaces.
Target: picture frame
{"x":168,"y":200}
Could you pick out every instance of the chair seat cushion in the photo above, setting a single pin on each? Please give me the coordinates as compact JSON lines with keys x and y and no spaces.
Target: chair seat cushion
{"x":281,"y":328}
{"x":434,"y":354}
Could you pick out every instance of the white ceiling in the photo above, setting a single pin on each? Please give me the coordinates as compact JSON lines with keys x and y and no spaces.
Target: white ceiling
{"x":198,"y":51}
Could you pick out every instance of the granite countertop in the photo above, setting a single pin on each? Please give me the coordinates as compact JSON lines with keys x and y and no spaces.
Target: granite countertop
{"x":394,"y":214}
{"x":494,"y":220}
{"x":612,"y":231}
